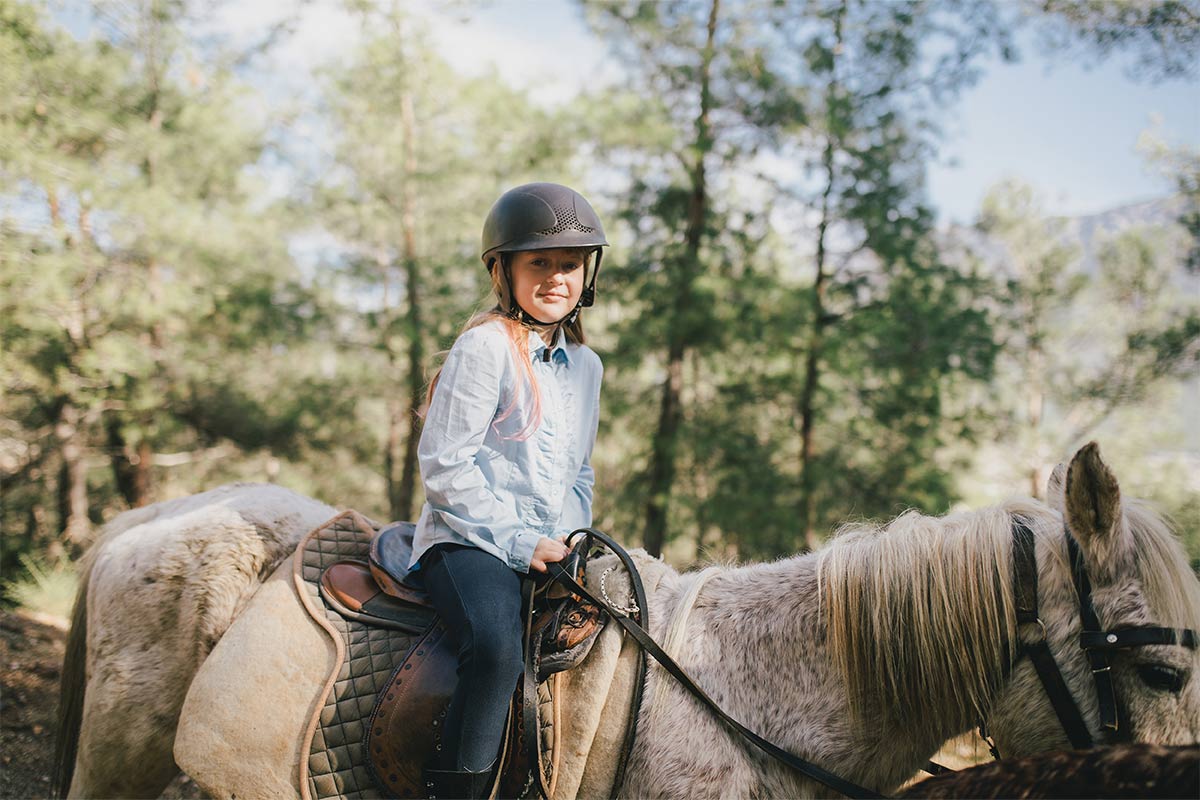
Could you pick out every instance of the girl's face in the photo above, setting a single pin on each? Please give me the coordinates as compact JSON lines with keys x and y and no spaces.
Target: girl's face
{"x":547,"y":283}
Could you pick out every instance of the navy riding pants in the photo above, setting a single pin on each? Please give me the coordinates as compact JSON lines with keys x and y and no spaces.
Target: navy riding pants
{"x":478,"y":597}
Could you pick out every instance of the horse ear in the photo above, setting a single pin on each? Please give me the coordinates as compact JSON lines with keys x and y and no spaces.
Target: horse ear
{"x":1056,"y":485}
{"x":1092,"y":499}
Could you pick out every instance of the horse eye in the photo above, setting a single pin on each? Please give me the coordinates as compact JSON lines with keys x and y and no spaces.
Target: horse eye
{"x":1163,"y":679}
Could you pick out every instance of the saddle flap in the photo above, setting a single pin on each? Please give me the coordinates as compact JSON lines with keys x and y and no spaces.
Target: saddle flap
{"x":406,"y":726}
{"x":350,"y":583}
{"x":565,"y":634}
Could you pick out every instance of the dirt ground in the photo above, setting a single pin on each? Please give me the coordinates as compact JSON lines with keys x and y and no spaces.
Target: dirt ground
{"x":31,"y":651}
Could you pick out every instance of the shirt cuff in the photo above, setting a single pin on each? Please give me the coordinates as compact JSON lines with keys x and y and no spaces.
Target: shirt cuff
{"x":522,"y":550}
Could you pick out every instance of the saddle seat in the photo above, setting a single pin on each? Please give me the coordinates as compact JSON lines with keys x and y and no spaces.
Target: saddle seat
{"x":560,"y":631}
{"x":379,"y":591}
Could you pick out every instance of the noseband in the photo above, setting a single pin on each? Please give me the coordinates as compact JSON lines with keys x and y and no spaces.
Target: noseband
{"x":1096,"y":642}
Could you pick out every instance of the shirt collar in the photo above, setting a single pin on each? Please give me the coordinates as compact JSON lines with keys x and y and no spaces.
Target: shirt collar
{"x":559,"y":352}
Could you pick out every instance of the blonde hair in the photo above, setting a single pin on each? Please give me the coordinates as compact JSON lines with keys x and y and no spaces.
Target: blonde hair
{"x":518,"y":339}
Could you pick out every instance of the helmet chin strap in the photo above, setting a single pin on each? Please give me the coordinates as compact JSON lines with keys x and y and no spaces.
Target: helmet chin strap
{"x":533,"y":323}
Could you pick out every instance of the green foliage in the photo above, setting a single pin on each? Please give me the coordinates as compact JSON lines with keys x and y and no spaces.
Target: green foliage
{"x":166,"y":323}
{"x":1164,"y":35}
{"x":416,"y":156}
{"x":1092,"y":350}
{"x":899,"y":327}
{"x":148,"y":303}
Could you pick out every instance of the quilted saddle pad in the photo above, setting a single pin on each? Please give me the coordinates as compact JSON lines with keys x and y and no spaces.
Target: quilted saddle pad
{"x":336,"y":765}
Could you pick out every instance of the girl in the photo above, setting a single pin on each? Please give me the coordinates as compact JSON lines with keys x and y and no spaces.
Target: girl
{"x":505,"y":458}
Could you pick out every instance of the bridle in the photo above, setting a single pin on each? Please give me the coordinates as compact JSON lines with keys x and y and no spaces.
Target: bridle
{"x":1096,"y":642}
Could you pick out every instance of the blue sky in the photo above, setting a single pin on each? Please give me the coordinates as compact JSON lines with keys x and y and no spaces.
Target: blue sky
{"x":1069,"y":131}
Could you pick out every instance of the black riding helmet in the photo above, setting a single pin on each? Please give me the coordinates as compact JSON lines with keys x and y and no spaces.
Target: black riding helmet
{"x":542,"y":216}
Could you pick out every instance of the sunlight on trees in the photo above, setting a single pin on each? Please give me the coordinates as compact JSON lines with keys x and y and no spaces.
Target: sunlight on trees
{"x":197,"y":288}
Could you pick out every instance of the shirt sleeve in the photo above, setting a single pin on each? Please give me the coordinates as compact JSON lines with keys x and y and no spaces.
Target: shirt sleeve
{"x":464,"y":404}
{"x":577,"y":505}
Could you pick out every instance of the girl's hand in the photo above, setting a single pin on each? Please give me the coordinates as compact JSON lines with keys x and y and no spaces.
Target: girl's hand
{"x":547,"y":551}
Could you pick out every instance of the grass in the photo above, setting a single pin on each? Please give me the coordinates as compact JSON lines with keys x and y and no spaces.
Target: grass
{"x":44,"y":588}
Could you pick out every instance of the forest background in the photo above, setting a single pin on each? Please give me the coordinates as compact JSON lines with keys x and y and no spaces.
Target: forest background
{"x":209,"y":275}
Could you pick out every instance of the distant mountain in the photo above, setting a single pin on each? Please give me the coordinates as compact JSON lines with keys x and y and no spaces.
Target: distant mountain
{"x":1091,"y":230}
{"x":1088,"y":232}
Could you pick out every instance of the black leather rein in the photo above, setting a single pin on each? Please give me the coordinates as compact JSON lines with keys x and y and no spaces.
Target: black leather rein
{"x":650,"y":646}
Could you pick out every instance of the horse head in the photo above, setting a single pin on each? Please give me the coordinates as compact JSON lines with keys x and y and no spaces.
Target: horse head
{"x":1113,"y":577}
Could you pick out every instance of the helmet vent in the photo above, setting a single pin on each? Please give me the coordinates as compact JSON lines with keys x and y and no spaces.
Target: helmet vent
{"x":567,"y":221}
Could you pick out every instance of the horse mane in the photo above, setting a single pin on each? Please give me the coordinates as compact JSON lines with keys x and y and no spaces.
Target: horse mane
{"x":1170,"y":586}
{"x":920,"y":612}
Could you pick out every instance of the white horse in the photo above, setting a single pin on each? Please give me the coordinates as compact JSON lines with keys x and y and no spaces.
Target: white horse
{"x":863,"y":657}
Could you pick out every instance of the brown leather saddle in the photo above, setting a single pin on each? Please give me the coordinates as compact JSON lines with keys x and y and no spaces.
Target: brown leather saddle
{"x":405,"y":726}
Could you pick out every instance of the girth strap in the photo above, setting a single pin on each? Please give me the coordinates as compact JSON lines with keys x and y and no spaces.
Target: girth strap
{"x":1025,"y":585}
{"x":648,"y":645}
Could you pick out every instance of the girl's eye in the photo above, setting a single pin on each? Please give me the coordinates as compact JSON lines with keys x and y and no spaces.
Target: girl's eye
{"x":1161,"y":678}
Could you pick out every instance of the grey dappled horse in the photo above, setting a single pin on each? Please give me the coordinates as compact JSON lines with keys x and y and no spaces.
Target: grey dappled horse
{"x":863,"y":657}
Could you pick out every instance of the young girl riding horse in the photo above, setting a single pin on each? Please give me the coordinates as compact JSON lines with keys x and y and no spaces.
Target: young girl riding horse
{"x":505,"y":458}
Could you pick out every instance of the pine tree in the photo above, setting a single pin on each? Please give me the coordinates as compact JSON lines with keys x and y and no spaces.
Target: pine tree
{"x":146,"y":286}
{"x":419,"y":155}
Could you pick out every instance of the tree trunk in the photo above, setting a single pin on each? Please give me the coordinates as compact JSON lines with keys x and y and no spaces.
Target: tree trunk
{"x":131,"y":471}
{"x":118,"y":458}
{"x":812,"y":364}
{"x":392,"y":446}
{"x":662,"y":464}
{"x":72,"y":484}
{"x":141,"y":480}
{"x":416,"y":344}
{"x":142,"y":477}
{"x":1037,"y":401}
{"x":816,"y":338}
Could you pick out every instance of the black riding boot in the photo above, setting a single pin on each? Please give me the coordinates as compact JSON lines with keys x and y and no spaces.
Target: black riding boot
{"x":444,"y":784}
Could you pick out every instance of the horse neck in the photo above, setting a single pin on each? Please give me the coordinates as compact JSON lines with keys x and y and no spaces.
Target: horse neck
{"x":761,"y":635}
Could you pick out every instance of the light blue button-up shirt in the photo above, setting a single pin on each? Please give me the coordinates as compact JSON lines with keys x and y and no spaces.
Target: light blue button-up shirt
{"x":483,"y":486}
